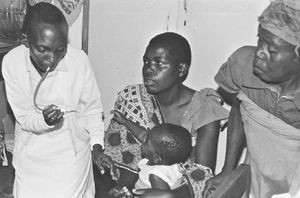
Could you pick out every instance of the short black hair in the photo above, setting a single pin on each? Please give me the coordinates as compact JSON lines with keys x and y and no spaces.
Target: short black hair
{"x":42,"y":13}
{"x":177,"y":146}
{"x":176,"y":45}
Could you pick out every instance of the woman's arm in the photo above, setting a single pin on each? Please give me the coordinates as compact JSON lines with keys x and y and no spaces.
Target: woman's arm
{"x":139,"y":132}
{"x":234,"y":146}
{"x":18,"y":93}
{"x":235,"y":137}
{"x":207,"y":145}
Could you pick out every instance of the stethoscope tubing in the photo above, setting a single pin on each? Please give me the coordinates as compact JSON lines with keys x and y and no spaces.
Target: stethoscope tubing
{"x":38,"y":87}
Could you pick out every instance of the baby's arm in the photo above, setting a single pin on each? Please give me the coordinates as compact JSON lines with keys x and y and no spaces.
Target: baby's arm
{"x":158,"y":183}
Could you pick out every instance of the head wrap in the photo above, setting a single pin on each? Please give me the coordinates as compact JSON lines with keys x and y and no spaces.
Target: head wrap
{"x":282,"y":18}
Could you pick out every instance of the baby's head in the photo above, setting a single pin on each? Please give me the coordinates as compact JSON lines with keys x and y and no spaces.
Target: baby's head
{"x":167,"y":144}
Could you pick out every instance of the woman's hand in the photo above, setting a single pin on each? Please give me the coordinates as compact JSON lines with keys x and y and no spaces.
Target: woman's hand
{"x":152,"y":193}
{"x":119,"y":117}
{"x":213,"y":183}
{"x":103,"y":161}
{"x":137,"y":131}
{"x":52,"y":115}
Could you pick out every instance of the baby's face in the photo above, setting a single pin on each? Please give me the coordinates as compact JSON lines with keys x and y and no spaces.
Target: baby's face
{"x":149,"y":148}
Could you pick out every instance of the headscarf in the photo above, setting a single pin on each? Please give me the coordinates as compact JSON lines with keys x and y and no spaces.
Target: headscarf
{"x":282,"y":18}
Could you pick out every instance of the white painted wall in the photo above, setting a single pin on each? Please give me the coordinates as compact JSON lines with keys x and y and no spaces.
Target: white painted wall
{"x":121,"y":29}
{"x":75,"y":32}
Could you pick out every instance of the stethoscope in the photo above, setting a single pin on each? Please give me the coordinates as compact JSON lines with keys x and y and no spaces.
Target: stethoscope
{"x":37,"y":89}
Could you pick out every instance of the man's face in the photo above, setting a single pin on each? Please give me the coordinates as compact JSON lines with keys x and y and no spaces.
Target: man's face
{"x":48,"y":45}
{"x":275,"y":60}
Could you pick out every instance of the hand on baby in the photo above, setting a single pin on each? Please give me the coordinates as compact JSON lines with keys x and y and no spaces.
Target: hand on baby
{"x":214,"y":182}
{"x":52,"y":114}
{"x":119,"y":192}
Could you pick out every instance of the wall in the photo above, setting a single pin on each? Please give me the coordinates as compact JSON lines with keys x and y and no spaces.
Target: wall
{"x":120,"y":31}
{"x":75,"y":32}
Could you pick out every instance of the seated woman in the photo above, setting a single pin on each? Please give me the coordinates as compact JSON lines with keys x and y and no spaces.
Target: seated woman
{"x":163,"y":98}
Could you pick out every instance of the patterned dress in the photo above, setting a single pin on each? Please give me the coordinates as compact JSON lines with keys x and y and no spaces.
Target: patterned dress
{"x":137,"y":105}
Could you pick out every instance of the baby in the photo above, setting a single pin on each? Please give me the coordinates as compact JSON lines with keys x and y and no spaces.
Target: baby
{"x":165,"y":148}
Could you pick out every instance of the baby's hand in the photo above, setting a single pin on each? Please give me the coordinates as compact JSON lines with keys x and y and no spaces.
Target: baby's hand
{"x":52,"y":114}
{"x":119,"y":192}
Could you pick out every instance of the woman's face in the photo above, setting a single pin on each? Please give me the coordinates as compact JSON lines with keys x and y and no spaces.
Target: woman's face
{"x":275,"y":60}
{"x":48,"y":45}
{"x":160,"y":70}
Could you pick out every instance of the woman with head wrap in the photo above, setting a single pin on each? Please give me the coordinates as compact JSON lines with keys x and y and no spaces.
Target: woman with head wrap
{"x":265,"y":84}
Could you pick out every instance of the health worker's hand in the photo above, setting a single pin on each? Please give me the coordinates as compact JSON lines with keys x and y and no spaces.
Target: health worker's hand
{"x":103,"y":161}
{"x":52,"y":115}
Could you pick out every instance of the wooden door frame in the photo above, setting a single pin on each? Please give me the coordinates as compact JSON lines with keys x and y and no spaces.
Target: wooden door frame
{"x":85,"y":26}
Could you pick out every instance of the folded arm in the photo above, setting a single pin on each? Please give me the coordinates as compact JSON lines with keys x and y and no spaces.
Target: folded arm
{"x":21,"y":101}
